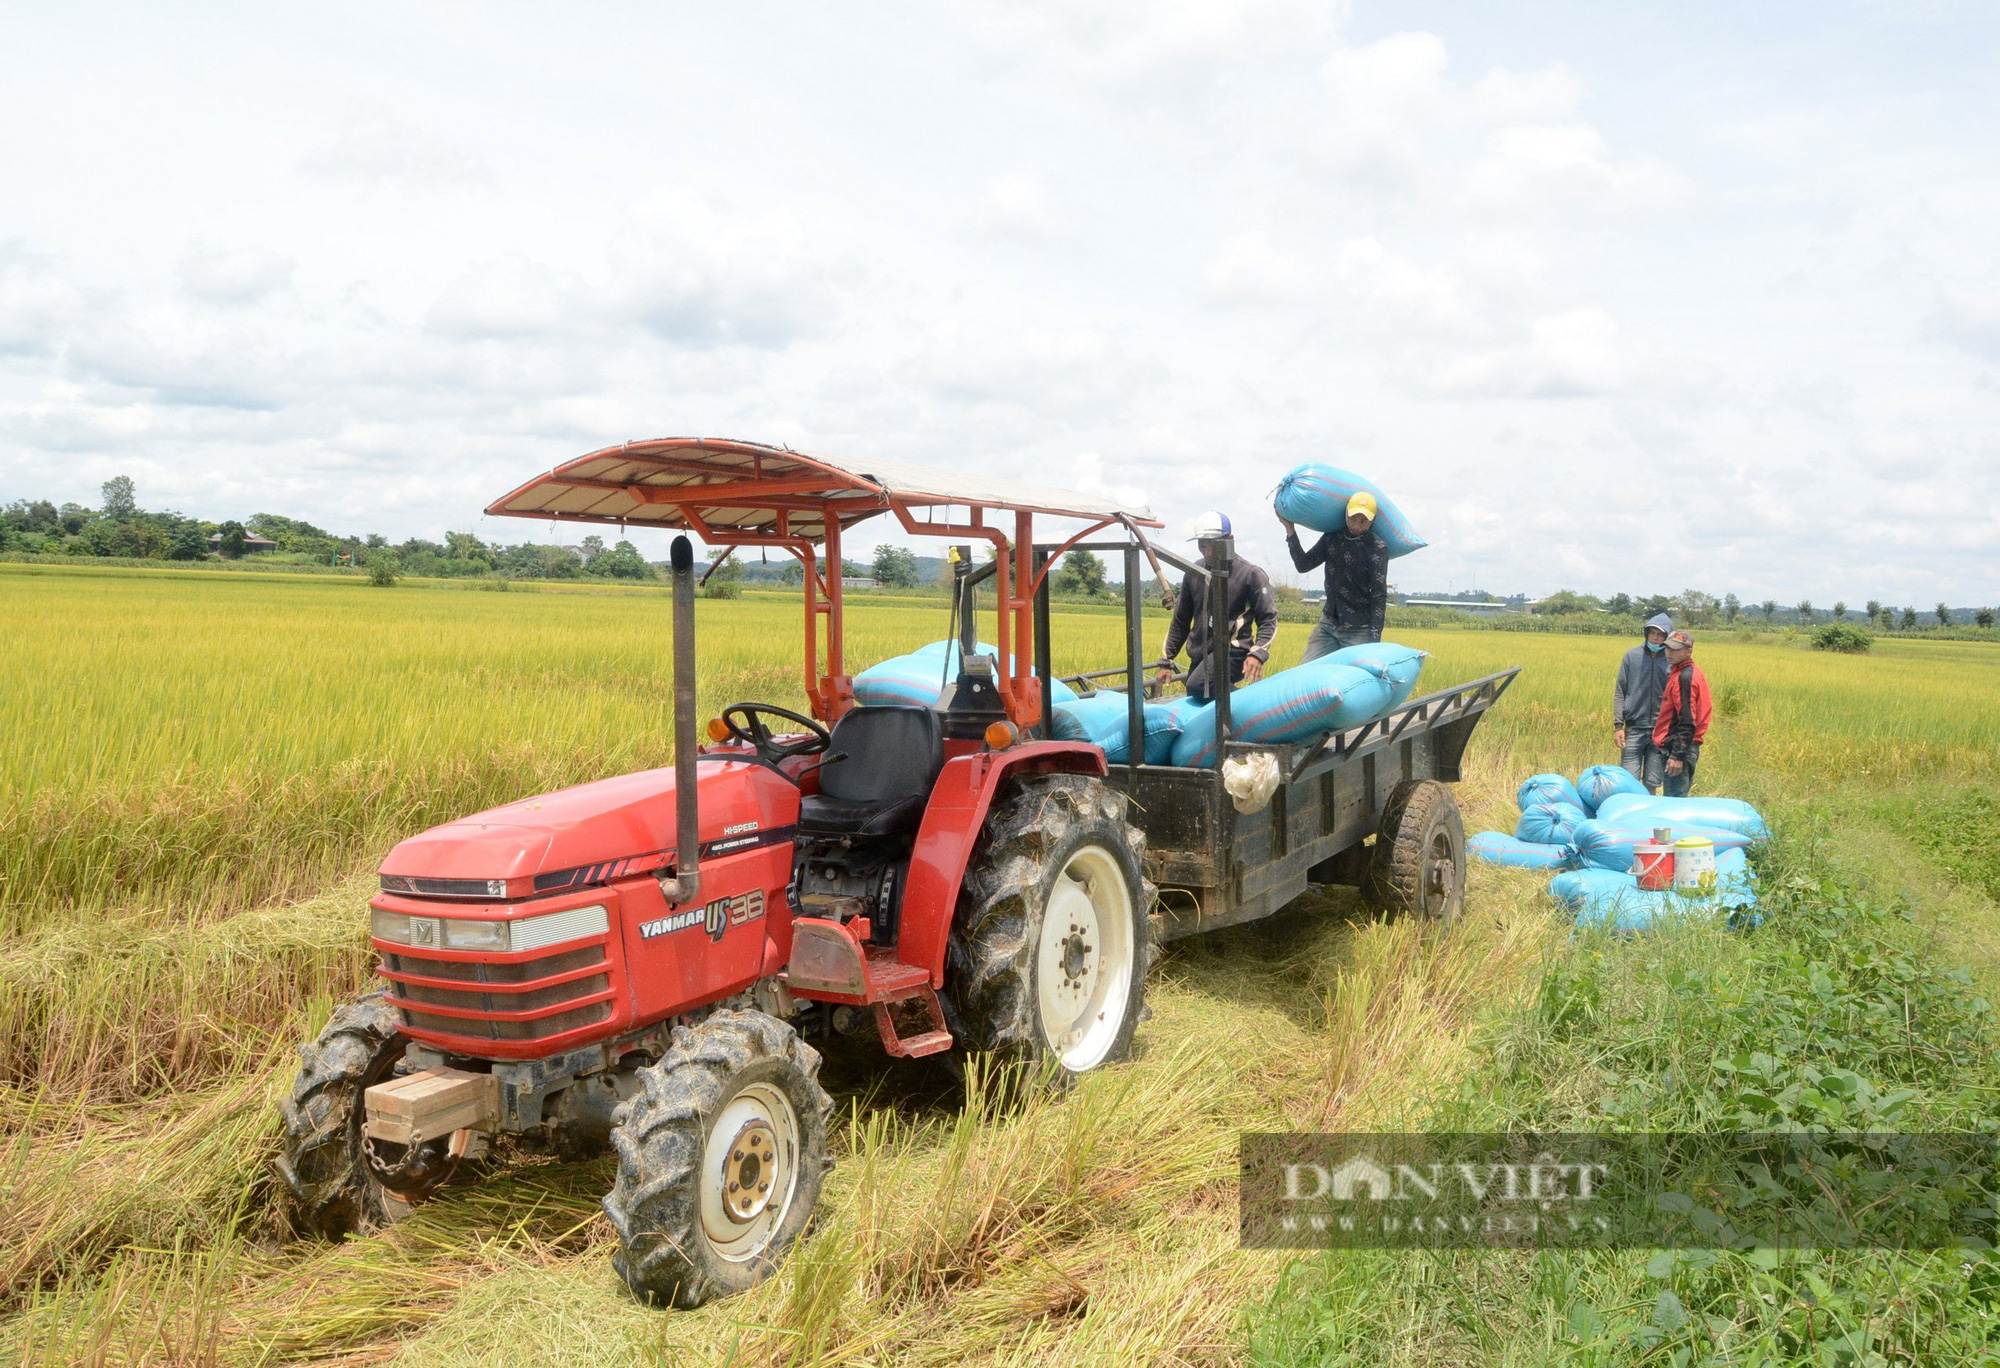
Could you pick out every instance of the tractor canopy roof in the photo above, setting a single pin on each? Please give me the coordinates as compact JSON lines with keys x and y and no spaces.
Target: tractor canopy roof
{"x":745,"y":492}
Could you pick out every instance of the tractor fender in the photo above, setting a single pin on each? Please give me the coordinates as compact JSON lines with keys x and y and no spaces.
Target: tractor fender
{"x":963,"y":795}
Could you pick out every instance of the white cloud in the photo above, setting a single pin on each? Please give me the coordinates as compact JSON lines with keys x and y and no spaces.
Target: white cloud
{"x":243,"y":275}
{"x":1088,"y":475}
{"x":35,"y":303}
{"x":1564,"y":356}
{"x":1016,"y":204}
{"x":378,"y":150}
{"x":1142,"y":40}
{"x":1969,"y":319}
{"x":512,"y":297}
{"x":698,"y":270}
{"x":1356,"y":280}
{"x":1152,"y":250}
{"x":1509,"y":142}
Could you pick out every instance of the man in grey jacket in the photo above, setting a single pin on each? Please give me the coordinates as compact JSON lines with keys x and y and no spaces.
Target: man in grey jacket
{"x":1253,"y":620}
{"x":1635,"y":704}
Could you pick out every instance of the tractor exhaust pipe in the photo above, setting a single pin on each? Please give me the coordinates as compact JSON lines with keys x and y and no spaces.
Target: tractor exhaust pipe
{"x":685,"y":887}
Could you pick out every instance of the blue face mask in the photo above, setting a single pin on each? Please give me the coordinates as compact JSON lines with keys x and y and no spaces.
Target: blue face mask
{"x":1655,"y":650}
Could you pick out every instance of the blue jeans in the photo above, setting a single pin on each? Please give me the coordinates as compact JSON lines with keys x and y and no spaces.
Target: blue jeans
{"x":1642,"y":759}
{"x":1327,"y":638}
{"x":1680,"y":785}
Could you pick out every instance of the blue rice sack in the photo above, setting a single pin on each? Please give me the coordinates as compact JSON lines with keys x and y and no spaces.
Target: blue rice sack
{"x":907,"y":681}
{"x":943,"y":656}
{"x":1183,"y":708}
{"x":1163,"y":729}
{"x":1608,"y":899}
{"x":1103,"y":720}
{"x":1608,"y":844}
{"x":1549,"y":823}
{"x":1614,"y":901}
{"x":1735,"y":880}
{"x":918,"y":678}
{"x":1599,"y":782}
{"x":1498,"y":848}
{"x":1546,"y":788}
{"x":1315,"y":495}
{"x":1292,"y":705}
{"x":1400,"y":665}
{"x":1724,"y":814}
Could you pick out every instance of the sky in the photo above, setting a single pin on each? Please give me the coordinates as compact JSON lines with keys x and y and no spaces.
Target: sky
{"x":1636,"y":297}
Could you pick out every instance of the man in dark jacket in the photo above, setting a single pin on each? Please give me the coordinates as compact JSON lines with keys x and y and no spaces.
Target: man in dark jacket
{"x":1253,"y":618}
{"x":1357,"y":579}
{"x":1635,"y":704}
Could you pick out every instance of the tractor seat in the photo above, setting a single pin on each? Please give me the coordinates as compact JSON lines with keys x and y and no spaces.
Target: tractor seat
{"x":877,"y":776}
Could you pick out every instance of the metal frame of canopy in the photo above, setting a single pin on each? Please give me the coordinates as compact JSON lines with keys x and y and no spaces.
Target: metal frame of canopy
{"x":733,"y":493}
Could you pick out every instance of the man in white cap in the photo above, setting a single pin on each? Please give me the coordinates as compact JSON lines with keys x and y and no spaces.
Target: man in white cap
{"x":1357,"y":578}
{"x":1253,"y":618}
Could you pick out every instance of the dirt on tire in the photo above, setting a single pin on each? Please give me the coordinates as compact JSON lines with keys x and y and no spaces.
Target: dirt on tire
{"x":327,"y":1188}
{"x":1028,"y":836}
{"x":661,"y":1137}
{"x":1421,"y":834}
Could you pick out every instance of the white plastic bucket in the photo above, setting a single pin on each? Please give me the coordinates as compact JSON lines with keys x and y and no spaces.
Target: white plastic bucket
{"x":1694,"y":866}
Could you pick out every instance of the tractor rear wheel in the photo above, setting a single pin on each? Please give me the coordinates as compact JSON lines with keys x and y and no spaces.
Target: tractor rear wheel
{"x":336,"y":1181}
{"x":1051,"y":942}
{"x":1419,"y":865}
{"x":720,"y":1159}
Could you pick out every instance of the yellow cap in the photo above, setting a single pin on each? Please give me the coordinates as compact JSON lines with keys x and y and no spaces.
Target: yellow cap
{"x":1362,"y":502}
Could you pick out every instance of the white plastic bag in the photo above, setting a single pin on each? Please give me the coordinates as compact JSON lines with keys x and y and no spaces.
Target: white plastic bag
{"x":1250,"y":780}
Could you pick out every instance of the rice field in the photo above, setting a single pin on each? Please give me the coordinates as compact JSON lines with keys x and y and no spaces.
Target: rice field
{"x":198,"y":772}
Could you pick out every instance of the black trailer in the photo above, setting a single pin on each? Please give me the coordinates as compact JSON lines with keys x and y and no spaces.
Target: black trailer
{"x":1388,"y":779}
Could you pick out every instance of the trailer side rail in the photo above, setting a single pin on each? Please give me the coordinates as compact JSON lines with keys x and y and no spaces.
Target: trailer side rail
{"x":1432,"y":712}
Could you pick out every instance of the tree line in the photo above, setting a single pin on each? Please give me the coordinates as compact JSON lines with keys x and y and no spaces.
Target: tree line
{"x":120,"y":528}
{"x":1695,"y":608}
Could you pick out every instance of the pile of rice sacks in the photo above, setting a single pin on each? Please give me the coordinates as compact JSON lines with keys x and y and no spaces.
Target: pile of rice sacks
{"x":1345,"y":689}
{"x":1583,"y":834}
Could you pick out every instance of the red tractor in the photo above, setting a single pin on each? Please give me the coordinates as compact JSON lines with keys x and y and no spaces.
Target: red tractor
{"x":638,"y":962}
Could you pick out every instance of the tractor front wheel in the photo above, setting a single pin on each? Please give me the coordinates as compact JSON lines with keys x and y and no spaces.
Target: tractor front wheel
{"x":720,"y":1160}
{"x":1419,"y":865}
{"x":336,"y":1181}
{"x":1049,"y":950}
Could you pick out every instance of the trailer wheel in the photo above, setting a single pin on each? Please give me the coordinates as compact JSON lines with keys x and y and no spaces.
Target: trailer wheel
{"x":1050,"y":946}
{"x":335,"y":1183}
{"x":1419,"y":865}
{"x":720,"y":1160}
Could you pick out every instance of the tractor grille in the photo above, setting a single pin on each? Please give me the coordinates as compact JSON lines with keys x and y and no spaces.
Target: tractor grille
{"x":538,"y":1029}
{"x":411,"y":998}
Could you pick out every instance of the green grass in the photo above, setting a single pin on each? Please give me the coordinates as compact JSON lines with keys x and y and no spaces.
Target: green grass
{"x":1959,"y":830}
{"x":197,"y":773}
{"x":1840,"y":1015}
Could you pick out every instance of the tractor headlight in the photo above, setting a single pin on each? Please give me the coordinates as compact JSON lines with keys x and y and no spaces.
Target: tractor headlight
{"x":390,"y":926}
{"x":492,"y":937}
{"x":463,"y":934}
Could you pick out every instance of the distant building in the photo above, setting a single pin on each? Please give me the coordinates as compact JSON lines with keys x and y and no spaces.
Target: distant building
{"x":1463,"y":605}
{"x":251,"y":543}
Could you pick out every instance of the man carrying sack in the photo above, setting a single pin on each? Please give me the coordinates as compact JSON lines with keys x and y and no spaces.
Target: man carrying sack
{"x":1357,"y":578}
{"x":1684,"y":711}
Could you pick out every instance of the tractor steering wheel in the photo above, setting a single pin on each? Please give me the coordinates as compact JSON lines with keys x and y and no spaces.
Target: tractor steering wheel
{"x":745,"y":723}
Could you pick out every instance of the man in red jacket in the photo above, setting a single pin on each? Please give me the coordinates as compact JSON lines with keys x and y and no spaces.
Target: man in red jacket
{"x":1684,"y":712}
